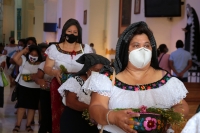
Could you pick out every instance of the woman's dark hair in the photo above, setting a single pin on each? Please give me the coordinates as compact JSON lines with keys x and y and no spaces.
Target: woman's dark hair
{"x":161,"y":49}
{"x":35,"y":48}
{"x":124,"y":48}
{"x":179,"y":44}
{"x":23,"y":41}
{"x":69,"y":23}
{"x":43,"y":45}
{"x":30,"y":39}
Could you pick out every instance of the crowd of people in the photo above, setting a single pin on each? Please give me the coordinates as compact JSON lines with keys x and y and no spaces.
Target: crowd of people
{"x":65,"y":79}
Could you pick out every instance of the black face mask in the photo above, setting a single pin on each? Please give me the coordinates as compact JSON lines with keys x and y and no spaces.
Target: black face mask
{"x":71,"y":38}
{"x":12,"y":41}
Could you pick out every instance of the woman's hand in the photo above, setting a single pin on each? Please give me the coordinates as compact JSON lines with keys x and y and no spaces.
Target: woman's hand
{"x":42,"y":83}
{"x":123,"y":119}
{"x":25,"y":50}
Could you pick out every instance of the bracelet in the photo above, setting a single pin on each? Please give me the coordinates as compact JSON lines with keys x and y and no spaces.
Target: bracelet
{"x":107,"y":117}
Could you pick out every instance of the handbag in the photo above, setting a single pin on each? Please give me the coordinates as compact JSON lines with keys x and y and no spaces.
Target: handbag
{"x":4,"y":78}
{"x":15,"y":91}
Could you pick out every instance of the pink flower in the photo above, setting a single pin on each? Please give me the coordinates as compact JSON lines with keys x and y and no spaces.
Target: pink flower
{"x":150,"y":123}
{"x":143,"y":109}
{"x":163,"y":81}
{"x":106,"y":74}
{"x":136,"y":88}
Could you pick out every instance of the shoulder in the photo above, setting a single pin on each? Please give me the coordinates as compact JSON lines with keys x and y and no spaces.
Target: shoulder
{"x":87,"y":48}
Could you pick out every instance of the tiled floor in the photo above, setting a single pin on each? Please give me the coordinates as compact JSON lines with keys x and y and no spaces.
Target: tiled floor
{"x":7,"y":116}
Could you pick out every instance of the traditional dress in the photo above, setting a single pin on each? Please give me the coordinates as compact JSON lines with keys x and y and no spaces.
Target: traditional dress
{"x":163,"y":93}
{"x":71,"y":119}
{"x":68,"y":60}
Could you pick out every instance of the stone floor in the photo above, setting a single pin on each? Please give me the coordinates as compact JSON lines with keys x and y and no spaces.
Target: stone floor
{"x":7,"y":116}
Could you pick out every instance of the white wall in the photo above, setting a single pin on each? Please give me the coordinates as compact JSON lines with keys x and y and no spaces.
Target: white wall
{"x":50,"y":16}
{"x":8,"y":19}
{"x":82,"y":5}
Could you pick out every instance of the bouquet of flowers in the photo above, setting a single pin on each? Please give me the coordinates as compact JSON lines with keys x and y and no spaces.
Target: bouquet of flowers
{"x":151,"y":119}
{"x":64,"y":73}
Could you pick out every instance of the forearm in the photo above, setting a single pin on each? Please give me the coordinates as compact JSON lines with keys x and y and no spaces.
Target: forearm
{"x":174,"y":70}
{"x":17,"y":58}
{"x":101,"y":111}
{"x":187,"y":68}
{"x":50,"y":71}
{"x":182,"y":108}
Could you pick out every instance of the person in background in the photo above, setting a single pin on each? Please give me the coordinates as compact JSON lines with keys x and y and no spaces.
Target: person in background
{"x":92,"y":46}
{"x":44,"y":80}
{"x":9,"y":49}
{"x":64,"y":54}
{"x":75,"y":99}
{"x":180,"y":62}
{"x":2,"y":66}
{"x":163,"y":57}
{"x":28,"y":90}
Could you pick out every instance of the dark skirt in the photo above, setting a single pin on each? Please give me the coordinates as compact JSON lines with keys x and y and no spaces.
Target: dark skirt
{"x":45,"y":108}
{"x":1,"y":97}
{"x":8,"y":61}
{"x":72,"y":122}
{"x":28,"y":98}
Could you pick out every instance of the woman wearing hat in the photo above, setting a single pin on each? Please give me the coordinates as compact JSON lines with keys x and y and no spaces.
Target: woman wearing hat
{"x":138,"y":82}
{"x":77,"y":100}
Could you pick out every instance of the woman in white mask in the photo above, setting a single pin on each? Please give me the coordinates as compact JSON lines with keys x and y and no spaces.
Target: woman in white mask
{"x":138,"y":81}
{"x":28,"y":90}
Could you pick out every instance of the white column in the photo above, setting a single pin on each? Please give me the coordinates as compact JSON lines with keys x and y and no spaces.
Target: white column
{"x":39,"y":20}
{"x":50,"y":16}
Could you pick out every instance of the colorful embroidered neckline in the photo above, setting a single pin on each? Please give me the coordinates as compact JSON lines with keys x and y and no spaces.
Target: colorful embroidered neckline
{"x":70,"y":53}
{"x":154,"y":85}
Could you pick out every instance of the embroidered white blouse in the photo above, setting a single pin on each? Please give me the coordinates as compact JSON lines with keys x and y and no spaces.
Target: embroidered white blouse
{"x":165,"y":94}
{"x":61,"y":57}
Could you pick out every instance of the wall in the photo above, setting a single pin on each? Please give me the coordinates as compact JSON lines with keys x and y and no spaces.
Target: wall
{"x":39,"y":20}
{"x":8,"y":19}
{"x":82,"y":5}
{"x":112,"y":25}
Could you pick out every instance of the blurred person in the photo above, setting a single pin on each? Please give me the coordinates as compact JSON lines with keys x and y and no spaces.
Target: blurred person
{"x":65,"y":54}
{"x":2,"y":66}
{"x":92,"y":47}
{"x":28,"y":90}
{"x":163,"y":57}
{"x":180,"y":62}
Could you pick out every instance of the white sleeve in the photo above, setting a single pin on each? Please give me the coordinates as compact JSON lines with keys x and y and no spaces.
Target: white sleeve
{"x":87,"y":49}
{"x":71,"y":85}
{"x":99,"y":83}
{"x":41,"y":66}
{"x":193,"y":125}
{"x":51,"y":52}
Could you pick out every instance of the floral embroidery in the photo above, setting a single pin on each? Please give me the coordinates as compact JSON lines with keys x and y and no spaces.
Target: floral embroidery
{"x":140,"y":126}
{"x":125,"y":86}
{"x":70,"y":53}
{"x":150,"y":123}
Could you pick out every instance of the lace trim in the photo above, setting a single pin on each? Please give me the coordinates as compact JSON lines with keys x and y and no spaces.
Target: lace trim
{"x":70,"y":53}
{"x":71,"y":85}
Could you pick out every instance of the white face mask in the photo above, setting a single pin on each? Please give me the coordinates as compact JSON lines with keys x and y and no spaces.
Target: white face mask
{"x":140,"y":57}
{"x":20,"y":48}
{"x":32,"y":58}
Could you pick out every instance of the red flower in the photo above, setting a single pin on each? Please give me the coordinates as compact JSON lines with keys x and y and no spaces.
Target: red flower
{"x":106,"y":74}
{"x":149,"y":87}
{"x":163,"y":81}
{"x":143,"y":109}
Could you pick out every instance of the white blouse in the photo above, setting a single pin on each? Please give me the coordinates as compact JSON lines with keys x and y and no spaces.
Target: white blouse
{"x":165,"y":96}
{"x":60,"y":57}
{"x":27,"y":68}
{"x":193,"y":125}
{"x":74,"y":84}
